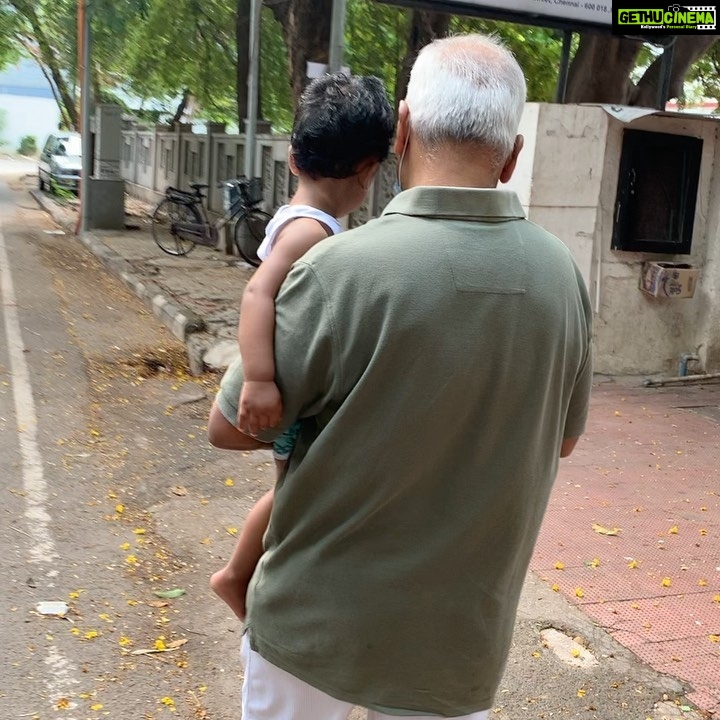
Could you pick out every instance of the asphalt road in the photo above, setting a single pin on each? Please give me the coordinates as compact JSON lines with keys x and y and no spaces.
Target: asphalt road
{"x":110,"y":494}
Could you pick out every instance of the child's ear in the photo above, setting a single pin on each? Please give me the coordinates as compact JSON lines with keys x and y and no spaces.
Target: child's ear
{"x":291,"y":162}
{"x":366,"y":172}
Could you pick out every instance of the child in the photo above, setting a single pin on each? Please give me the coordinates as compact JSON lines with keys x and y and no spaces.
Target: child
{"x":342,"y":132}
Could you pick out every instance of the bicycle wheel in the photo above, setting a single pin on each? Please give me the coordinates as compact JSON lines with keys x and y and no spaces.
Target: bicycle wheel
{"x":249,"y":234}
{"x":166,"y":213}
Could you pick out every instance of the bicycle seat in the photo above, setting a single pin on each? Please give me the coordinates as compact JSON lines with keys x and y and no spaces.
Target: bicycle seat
{"x":198,"y":186}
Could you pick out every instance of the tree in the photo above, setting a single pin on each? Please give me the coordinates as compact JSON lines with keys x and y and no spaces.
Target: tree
{"x":306,"y":29}
{"x":618,"y":58}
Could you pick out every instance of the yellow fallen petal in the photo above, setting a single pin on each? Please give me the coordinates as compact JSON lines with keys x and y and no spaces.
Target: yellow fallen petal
{"x":536,"y":654}
{"x":131,"y":560}
{"x":91,"y":634}
{"x":579,"y":592}
{"x":62,"y":703}
{"x":139,"y":531}
{"x":703,"y":531}
{"x":119,"y":508}
{"x":97,"y":706}
{"x":715,"y":638}
{"x":229,"y":482}
{"x":602,"y":530}
{"x":633,"y":564}
{"x":666,"y":582}
{"x":125,"y":546}
{"x":555,"y":588}
{"x":702,"y":582}
{"x":581,"y":692}
{"x":716,"y":599}
{"x":673,"y":530}
{"x":124,"y":641}
{"x":168,"y":701}
{"x":231,"y":531}
{"x":160,"y":644}
{"x":575,"y":652}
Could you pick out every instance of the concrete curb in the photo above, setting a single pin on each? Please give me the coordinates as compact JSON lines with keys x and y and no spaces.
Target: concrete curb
{"x":186,"y":325}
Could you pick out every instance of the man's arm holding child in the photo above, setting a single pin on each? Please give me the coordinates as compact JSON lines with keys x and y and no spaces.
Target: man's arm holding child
{"x":260,"y":405}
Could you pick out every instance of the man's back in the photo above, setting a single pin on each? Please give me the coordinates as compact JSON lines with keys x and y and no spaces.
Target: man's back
{"x":438,"y":355}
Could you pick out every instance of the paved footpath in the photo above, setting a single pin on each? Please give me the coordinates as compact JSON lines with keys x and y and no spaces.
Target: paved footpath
{"x":632,"y":533}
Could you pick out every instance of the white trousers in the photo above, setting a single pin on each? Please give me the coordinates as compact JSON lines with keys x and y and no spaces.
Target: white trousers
{"x":270,"y":693}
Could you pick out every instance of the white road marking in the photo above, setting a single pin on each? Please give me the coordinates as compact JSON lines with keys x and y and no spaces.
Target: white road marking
{"x":34,"y":485}
{"x":62,"y":672}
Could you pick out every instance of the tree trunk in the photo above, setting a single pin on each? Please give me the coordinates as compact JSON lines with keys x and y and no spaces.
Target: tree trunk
{"x":424,"y":28}
{"x":306,"y":30}
{"x":600,"y":70}
{"x":242,"y":67}
{"x":182,"y":106}
{"x":688,"y":48}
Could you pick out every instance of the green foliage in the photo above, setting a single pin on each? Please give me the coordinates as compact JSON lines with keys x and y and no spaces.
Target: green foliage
{"x":28,"y":145}
{"x":704,"y":77}
{"x":275,"y":99}
{"x":376,"y":40}
{"x":184,"y":44}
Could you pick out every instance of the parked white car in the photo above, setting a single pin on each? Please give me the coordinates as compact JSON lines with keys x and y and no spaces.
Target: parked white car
{"x":61,"y":162}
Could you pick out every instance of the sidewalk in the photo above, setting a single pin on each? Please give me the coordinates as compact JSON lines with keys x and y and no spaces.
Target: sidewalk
{"x":632,"y":533}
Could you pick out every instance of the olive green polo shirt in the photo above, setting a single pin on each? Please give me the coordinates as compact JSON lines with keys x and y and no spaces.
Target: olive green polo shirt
{"x":437,"y":357}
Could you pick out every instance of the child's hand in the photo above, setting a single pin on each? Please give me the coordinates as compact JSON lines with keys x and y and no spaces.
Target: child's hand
{"x":260,"y":407}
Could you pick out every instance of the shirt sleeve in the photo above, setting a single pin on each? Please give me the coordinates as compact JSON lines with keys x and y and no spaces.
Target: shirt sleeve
{"x":579,"y":400}
{"x":576,"y":419}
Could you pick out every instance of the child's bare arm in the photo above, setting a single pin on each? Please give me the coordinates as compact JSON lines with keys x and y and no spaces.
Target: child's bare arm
{"x":260,"y":404}
{"x":232,"y":581}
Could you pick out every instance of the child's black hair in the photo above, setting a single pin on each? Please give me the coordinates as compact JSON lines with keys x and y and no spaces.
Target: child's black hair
{"x":341,"y":121}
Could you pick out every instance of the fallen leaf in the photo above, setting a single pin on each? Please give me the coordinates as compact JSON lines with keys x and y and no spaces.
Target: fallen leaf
{"x":179,"y":490}
{"x":559,"y":566}
{"x":158,"y":603}
{"x":139,"y":531}
{"x":175,"y":644}
{"x":633,"y":564}
{"x":62,"y":704}
{"x":602,"y":530}
{"x":702,"y":583}
{"x":170,"y":594}
{"x":120,"y":509}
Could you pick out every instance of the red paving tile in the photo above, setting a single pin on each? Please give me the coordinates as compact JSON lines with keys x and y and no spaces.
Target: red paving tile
{"x":649,"y":465}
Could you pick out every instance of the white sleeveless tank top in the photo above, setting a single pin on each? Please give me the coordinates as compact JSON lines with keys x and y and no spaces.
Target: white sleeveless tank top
{"x":284,"y":215}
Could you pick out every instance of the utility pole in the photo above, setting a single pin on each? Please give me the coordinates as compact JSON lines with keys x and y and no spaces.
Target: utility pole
{"x":253,"y":85}
{"x":85,"y":110}
{"x":337,"y":36}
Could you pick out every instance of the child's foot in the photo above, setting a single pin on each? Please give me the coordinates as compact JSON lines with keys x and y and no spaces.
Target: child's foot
{"x":231,"y":589}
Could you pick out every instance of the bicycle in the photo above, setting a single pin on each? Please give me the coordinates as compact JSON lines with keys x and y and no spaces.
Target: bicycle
{"x":180,"y":220}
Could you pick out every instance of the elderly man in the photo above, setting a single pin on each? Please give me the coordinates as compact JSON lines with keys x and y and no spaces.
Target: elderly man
{"x":439,"y":361}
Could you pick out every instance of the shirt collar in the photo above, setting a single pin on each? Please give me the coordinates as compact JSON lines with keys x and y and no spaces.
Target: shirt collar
{"x":457,"y":202}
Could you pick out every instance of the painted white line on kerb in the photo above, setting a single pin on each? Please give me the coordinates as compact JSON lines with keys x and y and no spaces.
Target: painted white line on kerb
{"x":62,"y":673}
{"x":34,"y":485}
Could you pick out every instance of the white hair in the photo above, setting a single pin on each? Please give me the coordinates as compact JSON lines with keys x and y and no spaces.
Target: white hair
{"x":467,"y":88}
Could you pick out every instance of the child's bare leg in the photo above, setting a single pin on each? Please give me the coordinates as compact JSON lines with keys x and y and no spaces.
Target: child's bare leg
{"x":231,"y":583}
